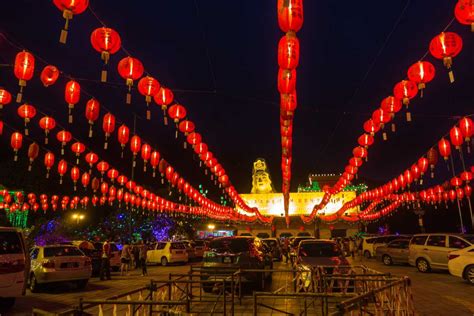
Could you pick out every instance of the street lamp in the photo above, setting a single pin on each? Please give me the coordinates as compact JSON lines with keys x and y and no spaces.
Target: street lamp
{"x":211,"y":227}
{"x":78,"y":217}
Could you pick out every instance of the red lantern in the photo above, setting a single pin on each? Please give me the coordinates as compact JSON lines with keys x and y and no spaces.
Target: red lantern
{"x":146,"y":154}
{"x":456,"y":137}
{"x":75,"y":173}
{"x":371,"y":127}
{"x":154,"y":161}
{"x":194,"y":138}
{"x":130,"y":69}
{"x":445,"y":46}
{"x":48,"y":162}
{"x":467,"y":129}
{"x":85,"y":179}
{"x":78,"y":148}
{"x":360,"y":152}
{"x":149,"y":87}
{"x":47,"y":123}
{"x":135,"y":146}
{"x":1,"y":127}
{"x":72,"y":94}
{"x":69,"y":8}
{"x":108,"y":125}
{"x":464,"y":12}
{"x":286,"y":81}
{"x":91,"y":158}
{"x":381,"y":117}
{"x":64,"y":137}
{"x":33,"y":151}
{"x":177,"y":112}
{"x":123,"y":135}
{"x":365,"y":140}
{"x":405,"y":90}
{"x":112,"y":174}
{"x":16,"y":141}
{"x":92,"y":113}
{"x":288,"y":51}
{"x":102,"y":167}
{"x":49,"y":75}
{"x":423,"y":165}
{"x":163,"y":98}
{"x":421,"y":73}
{"x":107,"y":42}
{"x":62,"y":169}
{"x":290,"y":15}
{"x":26,"y":112}
{"x":24,"y":69}
{"x":432,"y":156}
{"x":5,"y":98}
{"x":468,"y":190}
{"x":444,"y":148}
{"x":288,"y":102}
{"x":186,"y":127}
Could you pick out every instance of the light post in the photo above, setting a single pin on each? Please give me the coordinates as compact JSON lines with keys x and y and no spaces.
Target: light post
{"x":211,"y":227}
{"x":78,"y":217}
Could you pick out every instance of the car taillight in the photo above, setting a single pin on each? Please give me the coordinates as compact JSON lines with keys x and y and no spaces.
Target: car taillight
{"x":450,"y":257}
{"x":48,"y":264}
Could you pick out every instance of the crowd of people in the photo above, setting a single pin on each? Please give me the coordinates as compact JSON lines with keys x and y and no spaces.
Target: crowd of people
{"x":131,"y":256}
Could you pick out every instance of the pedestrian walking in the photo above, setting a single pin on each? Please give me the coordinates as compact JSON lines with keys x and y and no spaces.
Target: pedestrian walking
{"x":125,"y":258}
{"x":143,"y":255}
{"x":105,"y":261}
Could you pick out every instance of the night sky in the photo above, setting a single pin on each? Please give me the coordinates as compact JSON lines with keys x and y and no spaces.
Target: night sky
{"x":219,"y":57}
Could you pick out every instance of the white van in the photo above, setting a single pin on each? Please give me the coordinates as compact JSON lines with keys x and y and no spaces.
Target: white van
{"x":14,"y":265}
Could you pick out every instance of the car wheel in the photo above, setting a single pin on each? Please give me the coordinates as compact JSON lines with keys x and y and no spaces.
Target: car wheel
{"x":367,"y":254}
{"x":34,"y":287}
{"x":423,"y":265}
{"x":6,"y":303}
{"x":469,"y":274}
{"x":387,"y":260}
{"x":164,"y":261}
{"x":81,"y":284}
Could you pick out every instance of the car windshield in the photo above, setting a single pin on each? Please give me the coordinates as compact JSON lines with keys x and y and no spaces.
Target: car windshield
{"x":319,"y":249}
{"x":62,"y":252}
{"x":233,"y":245}
{"x":469,"y":238}
{"x":370,"y":240}
{"x":178,"y":245}
{"x":10,"y":243}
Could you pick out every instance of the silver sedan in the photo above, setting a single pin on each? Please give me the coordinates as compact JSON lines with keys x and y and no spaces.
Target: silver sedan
{"x":394,"y":252}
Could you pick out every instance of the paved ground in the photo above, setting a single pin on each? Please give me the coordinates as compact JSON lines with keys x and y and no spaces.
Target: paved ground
{"x":435,"y":293}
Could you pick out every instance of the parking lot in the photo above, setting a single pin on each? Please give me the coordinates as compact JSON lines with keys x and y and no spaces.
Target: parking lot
{"x":436,"y":293}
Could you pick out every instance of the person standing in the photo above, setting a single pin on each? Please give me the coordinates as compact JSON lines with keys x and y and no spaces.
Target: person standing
{"x":143,"y":256}
{"x":105,"y":261}
{"x":286,"y":249}
{"x":352,"y":247}
{"x":125,"y":258}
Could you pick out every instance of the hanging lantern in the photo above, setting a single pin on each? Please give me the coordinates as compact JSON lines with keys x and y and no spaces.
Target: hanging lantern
{"x":444,"y":148}
{"x":455,"y":135}
{"x":163,"y":98}
{"x":92,"y":113}
{"x":288,"y":51}
{"x":47,"y":123}
{"x":405,"y":90}
{"x":445,"y":46}
{"x":78,"y":148}
{"x":85,"y":179}
{"x":72,"y":94}
{"x":391,"y":105}
{"x":381,"y":117}
{"x":365,"y":140}
{"x":467,"y":130}
{"x":5,"y":98}
{"x":102,"y":167}
{"x":69,"y":8}
{"x":186,"y":127}
{"x":149,"y":87}
{"x":288,"y":102}
{"x":23,"y":69}
{"x":432,"y":156}
{"x":91,"y":158}
{"x":464,"y":12}
{"x":112,"y":174}
{"x":1,"y":127}
{"x":107,"y":42}
{"x":48,"y":162}
{"x":290,"y":15}
{"x":146,"y":154}
{"x":154,"y":161}
{"x":130,"y":69}
{"x":371,"y":127}
{"x":16,"y":141}
{"x":177,"y":112}
{"x":64,"y":137}
{"x":33,"y":151}
{"x":108,"y":125}
{"x":62,"y":169}
{"x":75,"y":174}
{"x":421,"y":73}
{"x":286,"y":81}
{"x":49,"y":75}
{"x":26,"y":112}
{"x":135,"y":146}
{"x":123,"y":135}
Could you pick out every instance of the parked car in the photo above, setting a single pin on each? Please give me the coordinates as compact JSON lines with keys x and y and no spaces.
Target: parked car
{"x":263,"y":235}
{"x":274,"y":246}
{"x":461,"y":263}
{"x":14,"y":265}
{"x":199,"y":246}
{"x":314,"y":253}
{"x":231,"y":254}
{"x":303,"y":234}
{"x":92,"y":252}
{"x":370,"y":244}
{"x":294,"y":243}
{"x":395,"y":251}
{"x":430,"y":251}
{"x":58,"y":263}
{"x":167,"y":252}
{"x":190,"y":249}
{"x":114,"y":255}
{"x":246,"y":234}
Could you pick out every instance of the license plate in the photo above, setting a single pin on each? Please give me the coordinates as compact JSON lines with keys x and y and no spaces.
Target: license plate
{"x":227,"y":260}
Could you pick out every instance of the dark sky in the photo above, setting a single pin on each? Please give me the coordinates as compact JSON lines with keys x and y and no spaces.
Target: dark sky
{"x":220,"y":59}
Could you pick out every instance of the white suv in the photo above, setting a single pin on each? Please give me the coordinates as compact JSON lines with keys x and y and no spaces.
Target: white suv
{"x":461,"y":264}
{"x":14,"y":265}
